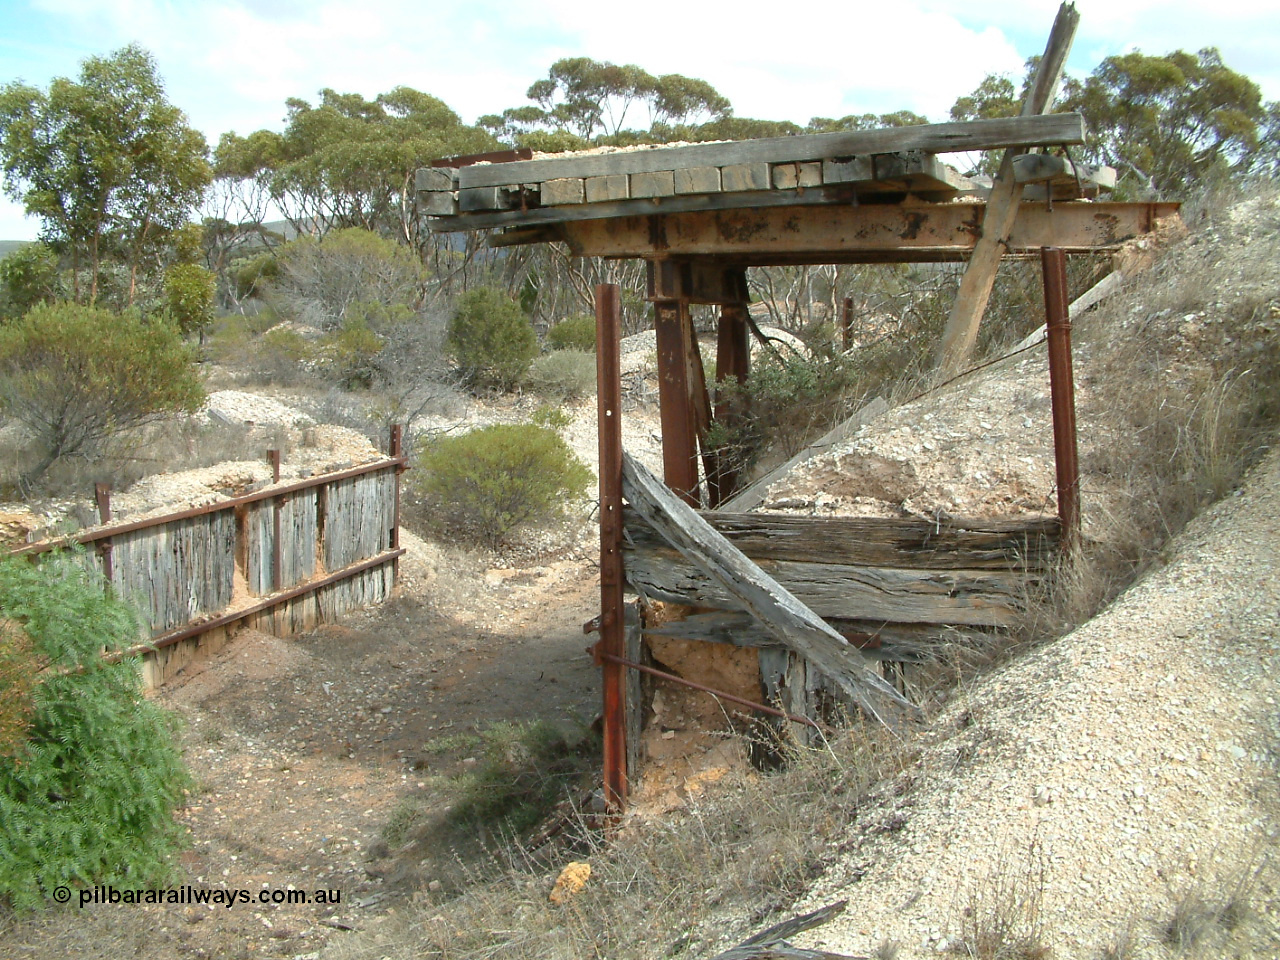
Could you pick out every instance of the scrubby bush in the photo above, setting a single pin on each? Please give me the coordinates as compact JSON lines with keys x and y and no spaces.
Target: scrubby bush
{"x":563,"y":374}
{"x":319,"y":280}
{"x":575,"y":333}
{"x":75,"y":376}
{"x":484,"y":484}
{"x":89,"y":771}
{"x":29,"y":276}
{"x":491,"y":339}
{"x":189,"y":292}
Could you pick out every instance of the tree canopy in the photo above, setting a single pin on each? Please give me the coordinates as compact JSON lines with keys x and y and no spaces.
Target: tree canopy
{"x":106,"y":162}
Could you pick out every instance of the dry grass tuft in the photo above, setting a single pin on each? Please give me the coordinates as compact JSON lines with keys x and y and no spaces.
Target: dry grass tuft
{"x":1001,"y":918}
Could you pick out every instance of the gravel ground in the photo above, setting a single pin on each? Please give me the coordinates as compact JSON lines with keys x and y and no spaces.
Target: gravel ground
{"x":1132,"y":761}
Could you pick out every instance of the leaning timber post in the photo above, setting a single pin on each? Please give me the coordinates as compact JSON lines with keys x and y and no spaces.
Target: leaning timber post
{"x":612,"y":643}
{"x":846,"y":325}
{"x":277,"y":546}
{"x":1062,"y":392}
{"x":395,"y":449}
{"x":675,"y":407}
{"x":733,"y":359}
{"x":102,"y":494}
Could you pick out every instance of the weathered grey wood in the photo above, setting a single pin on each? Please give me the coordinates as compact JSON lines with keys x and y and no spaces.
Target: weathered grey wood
{"x":698,"y":180}
{"x":986,"y":598}
{"x":438,"y":204}
{"x":1046,"y":168}
{"x":961,"y":332}
{"x":778,"y":610}
{"x":483,"y":198}
{"x":878,"y":640}
{"x":604,"y":189}
{"x":958,"y":137}
{"x":752,"y":495}
{"x":789,"y":176}
{"x":435,"y":178}
{"x":660,"y":183}
{"x":745,"y":176}
{"x":847,"y":170}
{"x":1021,"y":545}
{"x":566,"y":190}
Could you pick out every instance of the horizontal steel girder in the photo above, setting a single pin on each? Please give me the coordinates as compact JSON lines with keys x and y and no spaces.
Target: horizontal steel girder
{"x":871,"y":233}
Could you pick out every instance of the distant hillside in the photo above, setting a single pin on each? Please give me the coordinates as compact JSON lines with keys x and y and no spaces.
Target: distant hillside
{"x":8,"y":246}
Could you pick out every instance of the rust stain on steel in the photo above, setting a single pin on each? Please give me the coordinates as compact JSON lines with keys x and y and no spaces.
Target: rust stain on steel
{"x":612,"y":577}
{"x":915,"y":220}
{"x":740,"y":227}
{"x":657,"y":232}
{"x":1062,"y":393}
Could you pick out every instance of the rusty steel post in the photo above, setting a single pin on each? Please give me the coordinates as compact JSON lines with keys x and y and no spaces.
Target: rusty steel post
{"x":1062,"y":392}
{"x":675,"y":407}
{"x":846,"y":325}
{"x":102,"y":494}
{"x":612,"y":642}
{"x":733,"y":359}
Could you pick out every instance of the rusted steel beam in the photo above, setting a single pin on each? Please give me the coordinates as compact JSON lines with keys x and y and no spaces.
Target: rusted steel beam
{"x":1062,"y":393}
{"x":675,"y":407}
{"x":395,"y":448}
{"x":733,"y":361}
{"x":293,"y":593}
{"x":496,"y":156}
{"x":612,"y":629}
{"x":772,"y":711}
{"x":868,"y":233}
{"x":317,"y":481}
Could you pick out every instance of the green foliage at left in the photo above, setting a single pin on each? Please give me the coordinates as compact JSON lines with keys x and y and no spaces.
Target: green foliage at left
{"x":491,"y":339}
{"x":88,"y":794}
{"x":28,"y":276}
{"x":76,"y":376}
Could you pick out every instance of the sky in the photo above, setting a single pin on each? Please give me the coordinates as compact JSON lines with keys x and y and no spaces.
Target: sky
{"x":231,"y":64}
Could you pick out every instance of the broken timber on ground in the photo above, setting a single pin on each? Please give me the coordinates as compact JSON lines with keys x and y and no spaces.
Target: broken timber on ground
{"x":771,"y":944}
{"x":786,"y":618}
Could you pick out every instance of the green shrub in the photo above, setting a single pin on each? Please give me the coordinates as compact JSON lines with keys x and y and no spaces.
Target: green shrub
{"x":29,"y":275}
{"x":77,"y":376}
{"x":484,"y":484}
{"x":491,"y":340}
{"x":255,"y":274}
{"x":88,"y":794}
{"x":564,"y":374}
{"x":189,"y":291}
{"x":283,"y":354}
{"x":575,"y":333}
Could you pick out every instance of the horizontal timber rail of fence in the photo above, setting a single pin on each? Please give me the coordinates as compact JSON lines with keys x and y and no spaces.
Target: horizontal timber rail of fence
{"x":280,"y":559}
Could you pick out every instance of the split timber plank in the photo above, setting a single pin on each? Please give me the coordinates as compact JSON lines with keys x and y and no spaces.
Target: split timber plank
{"x":567,"y":190}
{"x":976,"y":598}
{"x":435,"y":178}
{"x":869,"y":541}
{"x":697,"y":180}
{"x":789,"y":176}
{"x":901,"y":642}
{"x":607,"y":189}
{"x":744,"y":176}
{"x":794,"y":624}
{"x":661,"y":183}
{"x":956,"y":137}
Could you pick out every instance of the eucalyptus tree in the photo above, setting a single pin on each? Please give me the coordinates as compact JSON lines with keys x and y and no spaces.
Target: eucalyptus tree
{"x":107,"y":164}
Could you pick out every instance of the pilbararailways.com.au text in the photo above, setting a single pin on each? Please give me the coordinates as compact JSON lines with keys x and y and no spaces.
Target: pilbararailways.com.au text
{"x":187,"y":894}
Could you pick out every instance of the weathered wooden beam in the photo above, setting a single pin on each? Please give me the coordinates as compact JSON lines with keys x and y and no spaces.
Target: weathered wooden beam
{"x":1003,"y":206}
{"x":930,"y":138}
{"x":794,"y":624}
{"x":949,"y":544}
{"x":857,"y":234}
{"x":980,"y":598}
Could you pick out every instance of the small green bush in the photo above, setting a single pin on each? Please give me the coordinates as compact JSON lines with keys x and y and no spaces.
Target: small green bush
{"x":483,"y":484}
{"x":491,"y":339}
{"x":282,"y":355}
{"x":77,"y":376}
{"x":29,"y":276}
{"x":563,"y":374}
{"x":575,"y":333}
{"x":189,"y":291}
{"x":88,"y":793}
